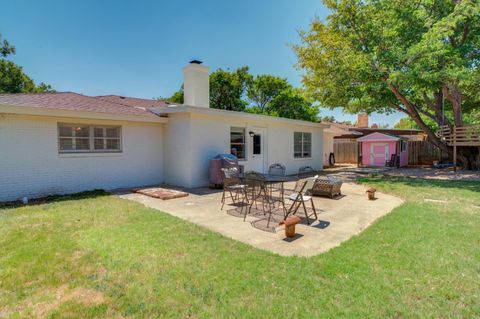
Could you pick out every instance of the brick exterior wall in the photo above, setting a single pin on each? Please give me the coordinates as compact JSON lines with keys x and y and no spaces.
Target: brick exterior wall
{"x":30,"y":164}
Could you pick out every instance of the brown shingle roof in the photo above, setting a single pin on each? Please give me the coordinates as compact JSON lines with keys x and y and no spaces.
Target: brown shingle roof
{"x":133,"y":101}
{"x":73,"y":102}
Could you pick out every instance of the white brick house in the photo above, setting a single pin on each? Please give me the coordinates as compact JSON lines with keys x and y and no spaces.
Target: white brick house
{"x":56,"y":143}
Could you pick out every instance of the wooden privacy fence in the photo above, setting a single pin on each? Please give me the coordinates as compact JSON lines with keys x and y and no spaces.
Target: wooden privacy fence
{"x":345,"y":151}
{"x":424,"y":153}
{"x":419,"y":152}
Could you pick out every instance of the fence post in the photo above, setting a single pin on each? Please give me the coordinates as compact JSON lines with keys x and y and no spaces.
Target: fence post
{"x":454,"y":148}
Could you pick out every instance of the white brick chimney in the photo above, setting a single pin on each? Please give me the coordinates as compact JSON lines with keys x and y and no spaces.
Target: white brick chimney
{"x":196,"y":86}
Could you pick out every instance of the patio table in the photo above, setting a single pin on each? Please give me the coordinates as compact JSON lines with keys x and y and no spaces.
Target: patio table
{"x":269,"y":179}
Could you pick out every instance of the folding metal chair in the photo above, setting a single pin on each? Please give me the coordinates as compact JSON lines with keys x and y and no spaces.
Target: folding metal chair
{"x":301,"y":197}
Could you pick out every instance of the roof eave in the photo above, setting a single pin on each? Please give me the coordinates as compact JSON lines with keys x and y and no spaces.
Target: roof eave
{"x":53,"y":112}
{"x":173,"y":109}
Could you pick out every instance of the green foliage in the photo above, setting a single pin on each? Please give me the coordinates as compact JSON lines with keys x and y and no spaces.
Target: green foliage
{"x":473,"y":117}
{"x":264,"y":94}
{"x":392,"y":55}
{"x":12,"y":77}
{"x":14,"y":80}
{"x":227,"y":89}
{"x":292,"y":104}
{"x":328,"y":119}
{"x":406,"y":123}
{"x":5,"y":48}
{"x":264,"y":88}
{"x":176,"y":97}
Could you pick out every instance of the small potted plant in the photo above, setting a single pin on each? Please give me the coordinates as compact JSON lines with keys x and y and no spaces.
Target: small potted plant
{"x":371,"y":193}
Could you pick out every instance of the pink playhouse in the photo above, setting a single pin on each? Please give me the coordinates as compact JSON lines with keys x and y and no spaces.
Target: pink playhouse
{"x":379,"y":149}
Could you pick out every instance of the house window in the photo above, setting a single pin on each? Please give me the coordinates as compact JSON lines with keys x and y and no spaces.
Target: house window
{"x":106,"y":138}
{"x":79,"y":138}
{"x":302,"y":144}
{"x":403,"y":146}
{"x":237,"y":142}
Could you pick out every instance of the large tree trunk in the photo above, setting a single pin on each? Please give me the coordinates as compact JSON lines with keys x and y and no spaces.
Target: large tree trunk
{"x":453,"y":94}
{"x":468,"y":157}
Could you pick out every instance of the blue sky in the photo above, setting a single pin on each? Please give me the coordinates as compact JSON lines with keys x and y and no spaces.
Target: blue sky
{"x":137,"y":48}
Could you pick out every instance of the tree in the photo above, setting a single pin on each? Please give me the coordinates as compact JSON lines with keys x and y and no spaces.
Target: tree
{"x":292,"y":104}
{"x":5,"y":48}
{"x":328,"y":119}
{"x":227,"y":89}
{"x":262,"y":89}
{"x":406,"y":123}
{"x":417,"y":57}
{"x":12,"y":77}
{"x":267,"y":94}
{"x":176,"y":97}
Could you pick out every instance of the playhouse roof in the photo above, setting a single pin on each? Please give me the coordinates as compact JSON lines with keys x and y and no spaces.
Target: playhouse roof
{"x":380,"y":137}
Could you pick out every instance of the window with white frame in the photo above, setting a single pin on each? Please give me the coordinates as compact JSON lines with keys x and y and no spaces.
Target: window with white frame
{"x":237,"y":142}
{"x":403,"y":146}
{"x":302,"y":144}
{"x":81,"y":138}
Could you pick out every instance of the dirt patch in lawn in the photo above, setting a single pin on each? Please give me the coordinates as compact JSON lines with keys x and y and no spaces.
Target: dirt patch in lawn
{"x":56,"y":297}
{"x":88,"y":297}
{"x":77,"y":254}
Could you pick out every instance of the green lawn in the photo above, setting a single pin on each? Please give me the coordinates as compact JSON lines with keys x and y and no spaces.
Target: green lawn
{"x":96,"y":255}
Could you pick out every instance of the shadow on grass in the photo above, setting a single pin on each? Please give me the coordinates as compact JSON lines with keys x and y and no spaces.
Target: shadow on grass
{"x":421,"y":182}
{"x":55,"y":198}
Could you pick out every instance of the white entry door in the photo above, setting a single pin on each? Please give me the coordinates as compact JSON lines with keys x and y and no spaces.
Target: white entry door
{"x":257,"y":150}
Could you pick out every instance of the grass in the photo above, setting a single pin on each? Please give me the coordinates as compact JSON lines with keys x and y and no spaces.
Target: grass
{"x":96,"y":256}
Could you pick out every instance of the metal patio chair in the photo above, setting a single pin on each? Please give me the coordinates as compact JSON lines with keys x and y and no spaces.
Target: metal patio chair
{"x":302,"y":196}
{"x":305,"y":171}
{"x":233,"y":187}
{"x":256,"y":190}
{"x":277,"y":169}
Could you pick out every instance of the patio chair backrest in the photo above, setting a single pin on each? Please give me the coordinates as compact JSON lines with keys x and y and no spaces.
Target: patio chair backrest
{"x":305,"y":186}
{"x":309,"y":183}
{"x":229,"y":176}
{"x":305,"y":171}
{"x":277,"y":169}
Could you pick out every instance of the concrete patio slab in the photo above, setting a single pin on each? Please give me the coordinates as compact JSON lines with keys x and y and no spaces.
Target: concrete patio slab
{"x":340,"y":219}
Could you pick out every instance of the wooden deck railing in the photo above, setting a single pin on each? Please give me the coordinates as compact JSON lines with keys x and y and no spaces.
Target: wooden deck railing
{"x":468,"y":135}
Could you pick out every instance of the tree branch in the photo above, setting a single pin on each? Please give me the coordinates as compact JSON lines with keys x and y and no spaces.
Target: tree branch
{"x":412,"y":111}
{"x":437,"y":107}
{"x":466,"y":31}
{"x":455,"y":97}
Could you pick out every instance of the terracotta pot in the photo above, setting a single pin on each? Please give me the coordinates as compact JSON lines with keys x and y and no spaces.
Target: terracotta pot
{"x":290,"y":223}
{"x":371,"y":193}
